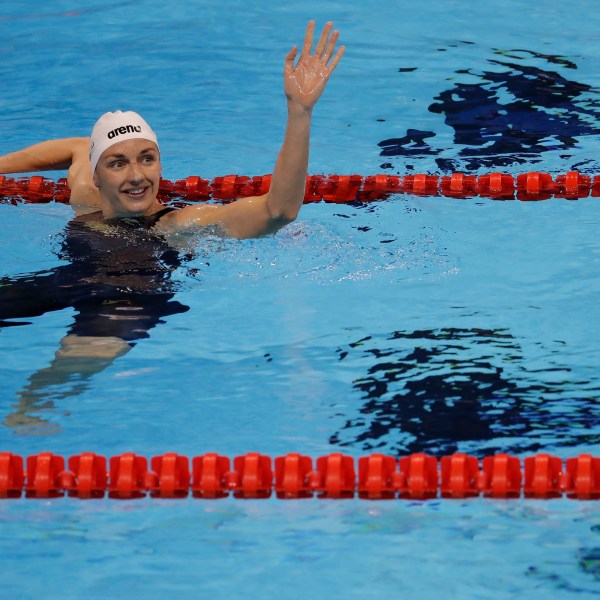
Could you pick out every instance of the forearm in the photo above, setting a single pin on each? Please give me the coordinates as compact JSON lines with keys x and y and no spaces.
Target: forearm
{"x":286,"y":194}
{"x":45,"y":156}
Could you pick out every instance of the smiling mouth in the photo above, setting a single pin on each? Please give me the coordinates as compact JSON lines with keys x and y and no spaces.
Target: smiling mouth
{"x":135,"y":192}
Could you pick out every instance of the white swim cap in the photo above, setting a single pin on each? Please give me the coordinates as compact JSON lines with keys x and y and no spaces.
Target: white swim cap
{"x":114,"y":127}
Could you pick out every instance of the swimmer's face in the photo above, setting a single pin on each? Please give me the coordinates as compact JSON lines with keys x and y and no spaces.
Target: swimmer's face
{"x":128,"y":176}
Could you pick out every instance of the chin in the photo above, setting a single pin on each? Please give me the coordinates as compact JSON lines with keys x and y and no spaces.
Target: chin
{"x":138,"y":206}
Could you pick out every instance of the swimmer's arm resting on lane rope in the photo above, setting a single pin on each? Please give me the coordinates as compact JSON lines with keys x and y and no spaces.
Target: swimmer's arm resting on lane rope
{"x":45,"y":156}
{"x":260,"y":215}
{"x":66,"y":153}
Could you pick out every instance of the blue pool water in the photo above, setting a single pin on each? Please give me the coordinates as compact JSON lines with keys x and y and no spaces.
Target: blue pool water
{"x":411,"y":324}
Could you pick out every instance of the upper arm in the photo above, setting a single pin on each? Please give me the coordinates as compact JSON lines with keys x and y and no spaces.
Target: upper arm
{"x":244,"y":218}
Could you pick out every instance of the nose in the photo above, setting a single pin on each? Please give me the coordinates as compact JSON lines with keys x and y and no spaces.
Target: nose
{"x":134,"y":174}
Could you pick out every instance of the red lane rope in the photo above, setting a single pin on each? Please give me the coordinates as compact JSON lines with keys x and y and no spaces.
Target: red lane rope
{"x":342,"y":188}
{"x":254,"y":475}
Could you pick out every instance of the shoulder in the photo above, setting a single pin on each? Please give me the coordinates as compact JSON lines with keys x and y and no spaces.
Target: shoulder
{"x":190,"y":216}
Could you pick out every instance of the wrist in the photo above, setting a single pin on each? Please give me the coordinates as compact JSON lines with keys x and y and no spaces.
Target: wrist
{"x":298,"y":110}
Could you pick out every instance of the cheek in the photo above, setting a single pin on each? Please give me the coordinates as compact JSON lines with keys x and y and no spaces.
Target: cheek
{"x":107,"y":180}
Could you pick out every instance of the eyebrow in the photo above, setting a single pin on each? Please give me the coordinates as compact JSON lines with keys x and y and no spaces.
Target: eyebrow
{"x":150,"y":149}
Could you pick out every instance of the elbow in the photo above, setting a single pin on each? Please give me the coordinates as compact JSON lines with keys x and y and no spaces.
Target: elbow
{"x":283,"y":212}
{"x":278,"y":222}
{"x":281,"y":220}
{"x":287,"y":217}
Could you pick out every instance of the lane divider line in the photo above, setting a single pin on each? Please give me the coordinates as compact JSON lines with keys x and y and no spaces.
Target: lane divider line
{"x":532,"y":186}
{"x":254,"y":475}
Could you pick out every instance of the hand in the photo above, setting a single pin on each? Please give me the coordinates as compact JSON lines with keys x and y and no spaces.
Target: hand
{"x":304,"y":84}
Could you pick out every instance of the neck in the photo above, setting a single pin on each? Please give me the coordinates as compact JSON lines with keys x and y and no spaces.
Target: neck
{"x":110,"y":212}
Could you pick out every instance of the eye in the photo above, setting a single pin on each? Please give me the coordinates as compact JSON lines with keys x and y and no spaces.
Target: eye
{"x":116,"y":164}
{"x":148,"y":159}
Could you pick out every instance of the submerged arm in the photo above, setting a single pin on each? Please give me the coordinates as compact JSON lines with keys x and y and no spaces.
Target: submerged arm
{"x":303,"y":85}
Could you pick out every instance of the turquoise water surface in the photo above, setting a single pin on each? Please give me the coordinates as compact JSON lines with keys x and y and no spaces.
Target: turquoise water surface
{"x":411,"y":324}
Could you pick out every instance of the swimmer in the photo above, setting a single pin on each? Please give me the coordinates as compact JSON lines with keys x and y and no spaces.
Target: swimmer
{"x":118,"y":169}
{"x":116,"y":257}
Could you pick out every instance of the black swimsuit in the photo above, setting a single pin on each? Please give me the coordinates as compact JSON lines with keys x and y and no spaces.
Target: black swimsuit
{"x":118,"y":279}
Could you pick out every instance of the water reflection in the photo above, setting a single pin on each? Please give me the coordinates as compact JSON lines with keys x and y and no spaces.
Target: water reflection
{"x":448,"y":390}
{"x":509,"y":114}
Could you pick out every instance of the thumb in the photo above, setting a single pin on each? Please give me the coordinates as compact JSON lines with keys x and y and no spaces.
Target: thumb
{"x":289,"y":59}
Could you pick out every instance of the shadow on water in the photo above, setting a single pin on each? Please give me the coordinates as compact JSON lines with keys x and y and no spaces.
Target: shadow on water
{"x":508,"y":115}
{"x":448,"y":390}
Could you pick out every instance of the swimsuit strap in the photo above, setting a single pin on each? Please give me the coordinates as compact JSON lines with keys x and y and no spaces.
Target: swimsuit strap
{"x":157,"y":216}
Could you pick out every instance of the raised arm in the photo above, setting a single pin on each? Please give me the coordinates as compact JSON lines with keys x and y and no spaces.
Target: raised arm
{"x":303,"y":86}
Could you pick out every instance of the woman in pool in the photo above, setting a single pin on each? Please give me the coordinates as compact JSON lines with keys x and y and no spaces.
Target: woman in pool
{"x":118,"y":169}
{"x":116,"y":259}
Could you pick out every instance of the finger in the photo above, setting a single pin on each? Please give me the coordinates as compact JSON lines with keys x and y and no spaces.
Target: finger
{"x":337,"y":58}
{"x":323,"y":40}
{"x":330,"y":47}
{"x":308,"y":39}
{"x":289,"y":59}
